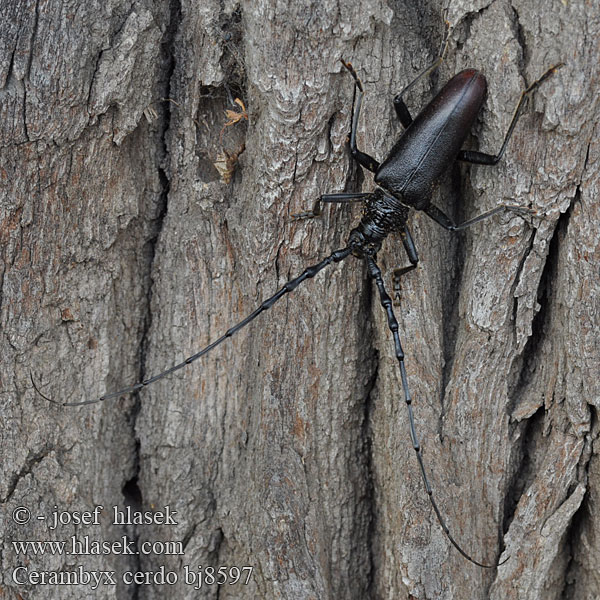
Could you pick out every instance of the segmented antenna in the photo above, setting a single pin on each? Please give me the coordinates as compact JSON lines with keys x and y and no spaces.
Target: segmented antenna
{"x":309,"y":272}
{"x":386,"y":303}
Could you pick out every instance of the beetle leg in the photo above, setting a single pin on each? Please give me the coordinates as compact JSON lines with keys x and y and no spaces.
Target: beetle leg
{"x":341,"y":197}
{"x":364,"y":160}
{"x":399,"y":104}
{"x":483,"y":158}
{"x":446,"y":222}
{"x":413,"y":257}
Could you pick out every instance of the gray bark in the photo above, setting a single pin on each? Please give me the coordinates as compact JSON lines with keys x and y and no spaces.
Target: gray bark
{"x":287,"y":448}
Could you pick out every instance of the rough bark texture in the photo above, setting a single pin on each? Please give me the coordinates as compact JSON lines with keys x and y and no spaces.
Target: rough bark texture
{"x":287,"y":449}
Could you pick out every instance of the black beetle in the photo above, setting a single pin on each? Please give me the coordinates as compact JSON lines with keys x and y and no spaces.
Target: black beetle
{"x":405,"y":180}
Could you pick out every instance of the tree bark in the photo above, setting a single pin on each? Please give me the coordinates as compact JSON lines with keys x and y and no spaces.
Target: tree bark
{"x":287,"y":449}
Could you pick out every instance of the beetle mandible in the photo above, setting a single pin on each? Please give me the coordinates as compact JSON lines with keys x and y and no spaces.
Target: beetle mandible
{"x":404,"y":181}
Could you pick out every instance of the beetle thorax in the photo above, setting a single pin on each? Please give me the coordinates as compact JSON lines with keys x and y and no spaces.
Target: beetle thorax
{"x":382,"y":214}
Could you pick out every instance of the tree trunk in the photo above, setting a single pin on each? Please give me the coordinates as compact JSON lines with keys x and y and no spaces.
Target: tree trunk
{"x":286,"y":450}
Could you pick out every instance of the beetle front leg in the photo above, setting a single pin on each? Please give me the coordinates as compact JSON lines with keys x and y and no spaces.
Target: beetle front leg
{"x":317,"y":208}
{"x":413,"y":257}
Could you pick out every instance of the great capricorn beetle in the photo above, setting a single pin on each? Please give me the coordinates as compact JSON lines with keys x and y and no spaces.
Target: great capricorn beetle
{"x":404,"y":180}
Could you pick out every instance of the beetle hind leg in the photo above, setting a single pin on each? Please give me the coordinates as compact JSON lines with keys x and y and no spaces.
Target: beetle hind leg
{"x":399,"y":104}
{"x":483,"y":158}
{"x":364,"y":160}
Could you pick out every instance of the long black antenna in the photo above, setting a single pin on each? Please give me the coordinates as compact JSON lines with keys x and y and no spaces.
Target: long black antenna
{"x":386,"y":302}
{"x":336,"y":256}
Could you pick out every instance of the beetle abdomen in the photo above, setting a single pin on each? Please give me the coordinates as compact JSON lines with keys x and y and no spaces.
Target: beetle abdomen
{"x":432,"y":140}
